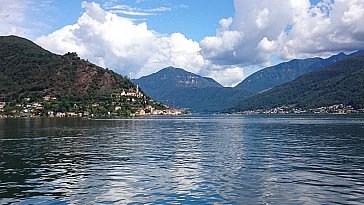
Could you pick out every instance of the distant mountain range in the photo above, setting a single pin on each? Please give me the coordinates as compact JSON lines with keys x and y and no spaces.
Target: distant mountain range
{"x":271,"y":77}
{"x":29,"y":71}
{"x":339,"y":83}
{"x":179,"y":88}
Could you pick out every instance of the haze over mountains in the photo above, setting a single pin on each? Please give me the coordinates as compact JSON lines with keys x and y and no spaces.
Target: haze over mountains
{"x":270,"y":77}
{"x":179,"y":88}
{"x":183,"y":89}
{"x":339,"y":83}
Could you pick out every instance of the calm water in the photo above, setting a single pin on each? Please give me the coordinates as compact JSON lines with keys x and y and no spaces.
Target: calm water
{"x":183,"y":160}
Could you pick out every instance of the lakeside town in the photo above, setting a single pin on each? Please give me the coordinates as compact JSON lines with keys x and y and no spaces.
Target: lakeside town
{"x":128,"y":103}
{"x":284,"y":110}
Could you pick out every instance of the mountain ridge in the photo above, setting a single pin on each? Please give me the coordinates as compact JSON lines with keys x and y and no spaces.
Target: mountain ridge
{"x":170,"y":78}
{"x":339,"y":83}
{"x":279,"y":74}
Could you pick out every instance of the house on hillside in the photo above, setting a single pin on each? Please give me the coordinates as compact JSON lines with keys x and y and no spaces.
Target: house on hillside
{"x":47,"y":98}
{"x":117,"y":108}
{"x":60,"y":114}
{"x":141,"y":112}
{"x":132,"y":93}
{"x":71,"y":114}
{"x":2,"y":106}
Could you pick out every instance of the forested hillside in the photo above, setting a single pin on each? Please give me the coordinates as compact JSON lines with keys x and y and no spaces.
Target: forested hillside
{"x":29,"y":75}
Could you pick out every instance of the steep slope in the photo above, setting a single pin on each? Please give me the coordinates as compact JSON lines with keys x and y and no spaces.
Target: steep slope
{"x":170,"y":78}
{"x":28,"y":73}
{"x":282,"y":73}
{"x":28,"y":70}
{"x":340,"y":83}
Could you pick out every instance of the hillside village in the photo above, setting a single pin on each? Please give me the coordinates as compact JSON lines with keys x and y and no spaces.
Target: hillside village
{"x":127,"y":103}
{"x":333,"y":109}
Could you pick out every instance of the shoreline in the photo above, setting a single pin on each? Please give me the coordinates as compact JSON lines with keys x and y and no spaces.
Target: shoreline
{"x":148,"y":116}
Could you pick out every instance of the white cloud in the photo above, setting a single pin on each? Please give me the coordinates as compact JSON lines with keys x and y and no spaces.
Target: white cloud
{"x":27,"y":18}
{"x":132,"y":49}
{"x":266,"y":45}
{"x":222,"y":47}
{"x":229,"y":76}
{"x":262,"y":19}
{"x":159,"y":9}
{"x":12,"y":17}
{"x":134,"y":11}
{"x":316,"y":32}
{"x":288,"y":29}
{"x":119,"y":44}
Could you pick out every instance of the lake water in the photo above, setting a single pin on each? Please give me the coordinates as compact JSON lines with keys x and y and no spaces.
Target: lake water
{"x":183,"y":160}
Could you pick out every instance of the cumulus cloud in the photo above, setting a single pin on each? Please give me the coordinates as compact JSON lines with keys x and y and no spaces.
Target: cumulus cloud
{"x":287,"y":29}
{"x":222,"y":47}
{"x":318,"y":30}
{"x":228,"y":76}
{"x":119,"y":44}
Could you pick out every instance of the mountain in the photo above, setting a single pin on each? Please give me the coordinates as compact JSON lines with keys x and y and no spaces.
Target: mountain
{"x":210,"y":99}
{"x":170,"y":78}
{"x":339,"y":83}
{"x":270,"y":77}
{"x":179,"y":88}
{"x":27,"y":71}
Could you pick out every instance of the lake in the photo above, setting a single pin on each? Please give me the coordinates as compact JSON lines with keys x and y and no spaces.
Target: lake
{"x":202,"y":159}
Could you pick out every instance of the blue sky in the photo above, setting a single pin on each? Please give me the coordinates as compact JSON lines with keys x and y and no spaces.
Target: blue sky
{"x":194,"y":18}
{"x":224,"y":39}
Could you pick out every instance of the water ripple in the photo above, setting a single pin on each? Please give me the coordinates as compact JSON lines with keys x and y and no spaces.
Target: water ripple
{"x":183,"y":160}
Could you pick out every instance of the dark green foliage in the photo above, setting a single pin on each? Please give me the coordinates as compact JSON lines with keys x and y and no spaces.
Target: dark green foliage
{"x":27,"y":70}
{"x":20,"y":66}
{"x":28,"y":73}
{"x":282,"y":73}
{"x":340,"y":83}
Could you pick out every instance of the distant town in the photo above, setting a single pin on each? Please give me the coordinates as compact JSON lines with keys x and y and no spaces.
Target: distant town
{"x":333,"y":109}
{"x":127,"y":103}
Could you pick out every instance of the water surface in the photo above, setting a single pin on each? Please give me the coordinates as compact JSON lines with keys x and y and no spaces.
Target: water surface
{"x":183,"y":160}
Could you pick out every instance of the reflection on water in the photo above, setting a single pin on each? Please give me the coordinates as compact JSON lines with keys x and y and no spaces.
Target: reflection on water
{"x":183,"y":160}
